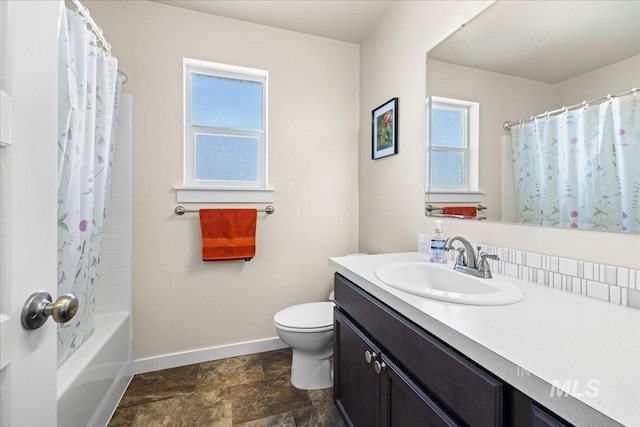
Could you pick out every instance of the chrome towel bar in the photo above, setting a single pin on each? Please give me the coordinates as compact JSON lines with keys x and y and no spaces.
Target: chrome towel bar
{"x":180,"y":210}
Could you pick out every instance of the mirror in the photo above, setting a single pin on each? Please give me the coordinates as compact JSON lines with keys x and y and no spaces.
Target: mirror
{"x":520,"y":59}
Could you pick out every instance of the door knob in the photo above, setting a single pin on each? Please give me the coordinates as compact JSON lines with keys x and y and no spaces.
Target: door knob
{"x":379,"y":366}
{"x":370,"y":356}
{"x":39,"y":307}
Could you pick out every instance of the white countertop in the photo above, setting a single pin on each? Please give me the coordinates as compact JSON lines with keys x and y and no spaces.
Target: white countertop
{"x":551,"y":337}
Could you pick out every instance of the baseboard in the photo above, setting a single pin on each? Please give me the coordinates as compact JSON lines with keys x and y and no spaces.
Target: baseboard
{"x":174,"y":360}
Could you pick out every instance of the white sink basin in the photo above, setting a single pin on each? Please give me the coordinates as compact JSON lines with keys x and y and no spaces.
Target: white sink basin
{"x":442,"y":282}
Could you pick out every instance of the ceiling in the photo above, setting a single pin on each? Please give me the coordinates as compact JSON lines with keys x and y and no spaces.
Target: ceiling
{"x":548,"y":41}
{"x":346,"y":20}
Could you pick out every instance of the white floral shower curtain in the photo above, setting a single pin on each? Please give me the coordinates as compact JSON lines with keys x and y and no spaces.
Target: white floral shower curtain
{"x":581,"y":169}
{"x":88,"y":95}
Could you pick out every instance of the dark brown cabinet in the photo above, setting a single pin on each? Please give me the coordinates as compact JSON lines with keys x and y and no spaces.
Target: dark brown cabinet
{"x":371,"y":390}
{"x":389,"y":372}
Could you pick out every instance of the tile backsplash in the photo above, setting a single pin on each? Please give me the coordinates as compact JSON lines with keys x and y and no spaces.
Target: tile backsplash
{"x":617,"y":285}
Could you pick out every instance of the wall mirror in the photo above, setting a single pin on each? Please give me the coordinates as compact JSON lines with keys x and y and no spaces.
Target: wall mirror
{"x":542,"y":59}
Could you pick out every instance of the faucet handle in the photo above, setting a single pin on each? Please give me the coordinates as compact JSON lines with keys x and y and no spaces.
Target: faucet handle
{"x":484,"y":255}
{"x":460,"y":258}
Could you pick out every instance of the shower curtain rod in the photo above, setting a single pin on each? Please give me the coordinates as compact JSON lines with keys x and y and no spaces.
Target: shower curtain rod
{"x":95,"y":29}
{"x":508,"y":125}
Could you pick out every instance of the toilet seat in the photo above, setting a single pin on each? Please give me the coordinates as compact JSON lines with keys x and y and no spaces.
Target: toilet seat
{"x":306,"y":318}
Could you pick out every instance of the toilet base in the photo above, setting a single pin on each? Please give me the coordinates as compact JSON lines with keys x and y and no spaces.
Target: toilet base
{"x":309,"y":372}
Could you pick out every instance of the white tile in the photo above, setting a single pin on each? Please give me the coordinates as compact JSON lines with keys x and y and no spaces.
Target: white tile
{"x":598,"y":290}
{"x":121,"y":171}
{"x":519,"y":257}
{"x":106,"y":241}
{"x":580,"y":268}
{"x":557,"y":280}
{"x":583,"y":284}
{"x":576,"y":285}
{"x":121,"y":295}
{"x":103,"y":295}
{"x":554,"y":264}
{"x":632,"y":279}
{"x":596,"y":272}
{"x":534,"y":260}
{"x":120,"y":205}
{"x":569,"y":267}
{"x":548,"y":279}
{"x":541,"y":274}
{"x":623,"y":277}
{"x":588,"y":271}
{"x":122,"y":154}
{"x":120,"y":259}
{"x":623,"y":295}
{"x":633,"y":298}
{"x":614,"y":294}
{"x":511,"y":269}
{"x":120,"y":308}
{"x":121,"y":224}
{"x":610,"y":275}
{"x":603,"y":273}
{"x":120,"y":188}
{"x":120,"y":241}
{"x":103,"y":278}
{"x":121,"y":276}
{"x":102,"y":309}
{"x":105,"y":260}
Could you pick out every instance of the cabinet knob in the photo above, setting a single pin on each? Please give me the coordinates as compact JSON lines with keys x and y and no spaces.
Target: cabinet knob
{"x":379,"y":366}
{"x":370,"y":356}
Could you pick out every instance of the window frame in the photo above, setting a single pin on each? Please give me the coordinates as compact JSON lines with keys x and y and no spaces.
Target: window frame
{"x":468,"y":192}
{"x":192,"y":66}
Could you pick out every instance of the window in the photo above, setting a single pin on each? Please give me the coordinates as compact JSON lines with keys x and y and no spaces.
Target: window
{"x":452,"y":150}
{"x":225,"y":148}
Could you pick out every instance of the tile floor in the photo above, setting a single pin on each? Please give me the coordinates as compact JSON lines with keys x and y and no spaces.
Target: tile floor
{"x":247,"y":391}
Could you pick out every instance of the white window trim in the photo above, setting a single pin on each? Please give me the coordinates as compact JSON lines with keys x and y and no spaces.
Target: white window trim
{"x":194,"y":191}
{"x":469,"y":192}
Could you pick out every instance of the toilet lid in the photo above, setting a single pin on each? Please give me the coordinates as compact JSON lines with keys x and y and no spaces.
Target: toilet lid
{"x":306,"y":316}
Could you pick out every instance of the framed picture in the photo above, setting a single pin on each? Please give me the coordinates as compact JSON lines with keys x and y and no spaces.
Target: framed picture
{"x":384,"y":136}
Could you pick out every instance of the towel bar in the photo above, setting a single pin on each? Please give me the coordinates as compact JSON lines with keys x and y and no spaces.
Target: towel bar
{"x":180,"y":210}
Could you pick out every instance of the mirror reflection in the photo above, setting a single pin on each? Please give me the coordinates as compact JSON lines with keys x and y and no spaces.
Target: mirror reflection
{"x":558,"y":161}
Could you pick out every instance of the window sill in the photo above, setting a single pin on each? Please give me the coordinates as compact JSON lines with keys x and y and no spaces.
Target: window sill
{"x":454,"y":196}
{"x":224,"y":195}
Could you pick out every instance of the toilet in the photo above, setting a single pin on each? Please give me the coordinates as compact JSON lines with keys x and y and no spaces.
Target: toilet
{"x":308,"y":330}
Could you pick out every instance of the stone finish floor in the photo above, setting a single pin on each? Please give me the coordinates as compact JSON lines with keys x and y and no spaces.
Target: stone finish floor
{"x":247,"y":391}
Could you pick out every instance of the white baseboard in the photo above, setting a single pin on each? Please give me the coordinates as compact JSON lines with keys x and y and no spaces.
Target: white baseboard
{"x":174,"y":360}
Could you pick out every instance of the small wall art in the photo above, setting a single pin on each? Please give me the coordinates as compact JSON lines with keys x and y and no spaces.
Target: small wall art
{"x":384,"y":137}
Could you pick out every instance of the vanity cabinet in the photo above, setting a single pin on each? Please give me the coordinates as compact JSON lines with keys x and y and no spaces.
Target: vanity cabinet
{"x":390,"y":372}
{"x":372,"y":391}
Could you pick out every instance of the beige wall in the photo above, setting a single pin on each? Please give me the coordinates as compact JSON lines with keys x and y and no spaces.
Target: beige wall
{"x":179,"y":302}
{"x":393,"y":63}
{"x":614,"y":78}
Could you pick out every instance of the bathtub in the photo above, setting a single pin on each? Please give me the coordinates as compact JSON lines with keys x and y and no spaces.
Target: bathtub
{"x":92,"y":381}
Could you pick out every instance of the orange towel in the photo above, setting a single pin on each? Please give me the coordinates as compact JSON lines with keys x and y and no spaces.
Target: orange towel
{"x":470,"y":211}
{"x":228,"y":234}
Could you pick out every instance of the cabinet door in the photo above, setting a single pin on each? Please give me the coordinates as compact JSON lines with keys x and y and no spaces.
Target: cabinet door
{"x":356,"y":384}
{"x":405,"y":404}
{"x":541,"y":418}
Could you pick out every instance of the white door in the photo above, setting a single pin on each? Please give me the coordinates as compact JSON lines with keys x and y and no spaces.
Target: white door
{"x":28,"y":205}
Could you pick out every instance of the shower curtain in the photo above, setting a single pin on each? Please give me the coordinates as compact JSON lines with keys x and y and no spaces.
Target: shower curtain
{"x":581,"y":169}
{"x":88,"y":96}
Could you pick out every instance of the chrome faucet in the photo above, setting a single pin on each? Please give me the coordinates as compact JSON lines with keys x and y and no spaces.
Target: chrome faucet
{"x":467,"y":262}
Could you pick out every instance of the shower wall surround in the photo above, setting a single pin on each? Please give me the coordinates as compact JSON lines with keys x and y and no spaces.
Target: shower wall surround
{"x":113,"y":287}
{"x":617,"y":285}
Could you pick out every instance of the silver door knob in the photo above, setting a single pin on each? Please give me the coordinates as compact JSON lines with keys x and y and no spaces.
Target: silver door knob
{"x":39,"y":307}
{"x":370,"y":356}
{"x":379,"y":366}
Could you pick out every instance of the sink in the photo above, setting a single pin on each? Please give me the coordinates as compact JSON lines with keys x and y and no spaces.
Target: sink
{"x":442,"y":282}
